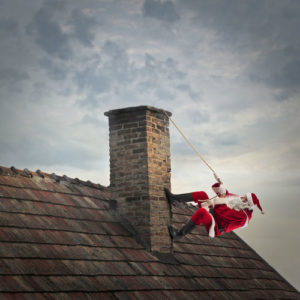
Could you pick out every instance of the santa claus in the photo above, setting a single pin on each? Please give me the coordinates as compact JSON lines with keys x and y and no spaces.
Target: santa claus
{"x":223,"y":213}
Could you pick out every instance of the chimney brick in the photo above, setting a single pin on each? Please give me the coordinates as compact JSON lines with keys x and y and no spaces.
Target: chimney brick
{"x":140,"y":168}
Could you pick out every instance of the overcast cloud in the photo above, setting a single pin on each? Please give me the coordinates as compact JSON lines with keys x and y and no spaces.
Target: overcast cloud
{"x":229,"y":71}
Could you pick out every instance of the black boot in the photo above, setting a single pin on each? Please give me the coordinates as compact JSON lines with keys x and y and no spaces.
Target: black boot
{"x":180,"y":197}
{"x":177,"y":234}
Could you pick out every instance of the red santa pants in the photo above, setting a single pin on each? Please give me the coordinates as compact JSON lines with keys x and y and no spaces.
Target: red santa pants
{"x":201,"y":216}
{"x":199,"y":196}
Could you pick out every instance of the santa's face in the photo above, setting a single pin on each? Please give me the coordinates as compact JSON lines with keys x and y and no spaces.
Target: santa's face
{"x":244,"y":199}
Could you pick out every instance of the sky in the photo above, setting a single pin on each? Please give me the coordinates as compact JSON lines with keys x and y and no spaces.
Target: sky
{"x":229,"y":71}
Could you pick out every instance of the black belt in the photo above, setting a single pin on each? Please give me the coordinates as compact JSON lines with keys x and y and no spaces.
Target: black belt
{"x":211,"y":211}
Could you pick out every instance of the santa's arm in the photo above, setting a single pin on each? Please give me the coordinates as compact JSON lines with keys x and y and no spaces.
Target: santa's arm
{"x":207,"y":203}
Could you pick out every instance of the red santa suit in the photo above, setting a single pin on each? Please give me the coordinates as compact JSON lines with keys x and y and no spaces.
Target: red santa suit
{"x":222,"y":217}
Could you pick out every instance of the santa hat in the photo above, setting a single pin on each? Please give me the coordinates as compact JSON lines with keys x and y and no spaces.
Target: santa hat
{"x":219,"y":189}
{"x":253,"y":200}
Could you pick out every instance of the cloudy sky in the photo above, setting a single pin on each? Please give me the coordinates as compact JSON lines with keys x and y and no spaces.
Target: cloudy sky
{"x":229,"y":71}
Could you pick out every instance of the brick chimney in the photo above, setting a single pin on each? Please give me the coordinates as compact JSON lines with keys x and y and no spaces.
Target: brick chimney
{"x":140,"y":168}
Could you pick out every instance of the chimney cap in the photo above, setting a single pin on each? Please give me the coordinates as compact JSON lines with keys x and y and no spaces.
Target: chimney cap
{"x":135,"y":108}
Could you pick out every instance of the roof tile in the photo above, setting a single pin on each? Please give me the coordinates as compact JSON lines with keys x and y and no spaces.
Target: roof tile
{"x":137,"y":255}
{"x":189,"y":259}
{"x":202,"y":271}
{"x":125,"y":242}
{"x":213,"y":250}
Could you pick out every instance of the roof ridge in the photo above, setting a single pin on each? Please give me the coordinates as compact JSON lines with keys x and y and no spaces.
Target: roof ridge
{"x":14,"y":172}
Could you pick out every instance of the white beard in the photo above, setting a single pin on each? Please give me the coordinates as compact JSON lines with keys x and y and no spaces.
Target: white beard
{"x":236,"y":203}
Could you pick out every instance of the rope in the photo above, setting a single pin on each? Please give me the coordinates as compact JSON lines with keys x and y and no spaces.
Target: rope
{"x":191,"y":145}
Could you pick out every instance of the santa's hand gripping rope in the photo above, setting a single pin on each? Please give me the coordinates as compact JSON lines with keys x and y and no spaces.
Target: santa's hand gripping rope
{"x":222,"y":213}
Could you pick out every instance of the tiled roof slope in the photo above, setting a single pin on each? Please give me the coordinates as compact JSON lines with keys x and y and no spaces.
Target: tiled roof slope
{"x":60,"y":239}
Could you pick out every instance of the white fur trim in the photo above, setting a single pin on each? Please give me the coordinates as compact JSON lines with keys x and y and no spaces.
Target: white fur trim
{"x":250,"y":200}
{"x":211,"y":231}
{"x":222,"y":190}
{"x":246,"y":222}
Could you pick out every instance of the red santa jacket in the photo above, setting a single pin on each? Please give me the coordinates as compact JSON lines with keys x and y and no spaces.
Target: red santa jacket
{"x":226,"y":218}
{"x":229,"y":219}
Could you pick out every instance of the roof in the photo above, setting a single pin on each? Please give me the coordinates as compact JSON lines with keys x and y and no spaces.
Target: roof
{"x":61,"y":238}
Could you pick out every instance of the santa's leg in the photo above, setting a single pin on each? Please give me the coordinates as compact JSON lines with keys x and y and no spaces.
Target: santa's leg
{"x":177,"y":234}
{"x":179,"y":197}
{"x":188,"y":197}
{"x":201,"y":216}
{"x":200,"y":196}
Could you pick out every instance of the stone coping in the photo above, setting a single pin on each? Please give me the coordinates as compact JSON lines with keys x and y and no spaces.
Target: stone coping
{"x":136,"y":108}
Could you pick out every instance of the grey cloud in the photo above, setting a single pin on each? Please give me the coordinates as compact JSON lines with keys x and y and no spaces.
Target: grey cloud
{"x":11,"y":76}
{"x":183,"y":87}
{"x":225,"y":139}
{"x":187,"y":88}
{"x":34,"y":134}
{"x":47,"y":28}
{"x":114,"y":50}
{"x":116,"y":62}
{"x":94,"y":119}
{"x":83,"y":27}
{"x":43,"y":152}
{"x":164,"y":94}
{"x":47,"y":31}
{"x":287,"y":79}
{"x":161,"y":10}
{"x":290,"y":74}
{"x":198,"y":117}
{"x":90,"y":101}
{"x":113,"y":75}
{"x":163,"y":78}
{"x":170,"y":67}
{"x":94,"y":77}
{"x":280,"y":70}
{"x":92,"y":80}
{"x":267,"y":28}
{"x":108,"y":73}
{"x":246,"y":22}
{"x":8,"y":28}
{"x":182,"y":148}
{"x":225,"y":143}
{"x":154,"y":69}
{"x":55,"y":71}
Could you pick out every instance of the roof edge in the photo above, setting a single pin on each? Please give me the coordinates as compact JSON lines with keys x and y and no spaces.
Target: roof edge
{"x":14,"y":172}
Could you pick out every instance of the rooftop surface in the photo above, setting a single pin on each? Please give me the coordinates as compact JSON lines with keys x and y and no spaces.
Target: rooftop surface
{"x":62,"y":238}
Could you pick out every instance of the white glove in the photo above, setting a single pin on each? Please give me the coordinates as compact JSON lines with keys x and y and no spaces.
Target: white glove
{"x":217,"y":177}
